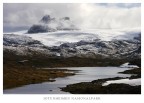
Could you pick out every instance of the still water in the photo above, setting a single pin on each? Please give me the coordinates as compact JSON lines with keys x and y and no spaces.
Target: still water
{"x":84,"y":74}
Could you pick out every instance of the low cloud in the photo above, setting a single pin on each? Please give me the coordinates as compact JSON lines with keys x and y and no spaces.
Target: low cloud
{"x":86,"y":16}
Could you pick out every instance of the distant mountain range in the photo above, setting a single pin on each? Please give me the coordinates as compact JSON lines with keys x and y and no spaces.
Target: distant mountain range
{"x":61,"y":38}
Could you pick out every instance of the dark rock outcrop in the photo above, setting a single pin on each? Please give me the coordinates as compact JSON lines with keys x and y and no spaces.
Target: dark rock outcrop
{"x":48,"y":24}
{"x":40,"y":29}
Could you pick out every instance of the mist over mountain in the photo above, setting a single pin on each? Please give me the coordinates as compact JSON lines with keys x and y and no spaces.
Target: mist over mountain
{"x":117,"y":44}
{"x":19,"y":16}
{"x":48,"y":24}
{"x":69,"y":30}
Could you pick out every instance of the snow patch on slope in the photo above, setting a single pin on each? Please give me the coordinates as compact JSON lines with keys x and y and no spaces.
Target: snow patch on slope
{"x":132,"y":82}
{"x":126,"y":65}
{"x":59,"y":37}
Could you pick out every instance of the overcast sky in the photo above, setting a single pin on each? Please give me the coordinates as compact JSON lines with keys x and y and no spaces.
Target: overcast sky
{"x":86,"y":16}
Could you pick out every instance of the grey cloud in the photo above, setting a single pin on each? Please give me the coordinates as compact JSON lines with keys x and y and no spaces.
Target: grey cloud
{"x":23,"y":15}
{"x":121,"y":5}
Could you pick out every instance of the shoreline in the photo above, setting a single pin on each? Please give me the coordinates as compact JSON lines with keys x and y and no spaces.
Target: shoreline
{"x":96,"y":86}
{"x":21,"y":70}
{"x":14,"y":77}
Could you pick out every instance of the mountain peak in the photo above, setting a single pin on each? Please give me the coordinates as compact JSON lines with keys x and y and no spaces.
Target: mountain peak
{"x":46,"y":19}
{"x":49,"y":24}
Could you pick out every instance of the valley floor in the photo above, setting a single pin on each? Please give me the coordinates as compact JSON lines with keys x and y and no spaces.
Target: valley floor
{"x":24,"y":70}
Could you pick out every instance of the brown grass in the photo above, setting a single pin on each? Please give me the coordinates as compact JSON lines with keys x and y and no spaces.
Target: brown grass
{"x":18,"y":76}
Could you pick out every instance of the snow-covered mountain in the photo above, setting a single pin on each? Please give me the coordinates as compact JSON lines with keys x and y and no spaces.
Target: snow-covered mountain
{"x":92,"y":43}
{"x":48,"y":24}
{"x":60,"y":37}
{"x":24,"y":45}
{"x":17,"y":40}
{"x":100,"y":49}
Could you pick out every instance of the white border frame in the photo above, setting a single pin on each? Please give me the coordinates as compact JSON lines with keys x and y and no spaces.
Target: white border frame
{"x":44,"y":98}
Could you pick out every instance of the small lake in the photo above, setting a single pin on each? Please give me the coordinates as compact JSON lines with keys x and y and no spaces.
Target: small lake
{"x":84,"y":74}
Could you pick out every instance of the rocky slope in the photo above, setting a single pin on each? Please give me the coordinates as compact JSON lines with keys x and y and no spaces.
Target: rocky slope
{"x":101,"y":49}
{"x":85,"y":49}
